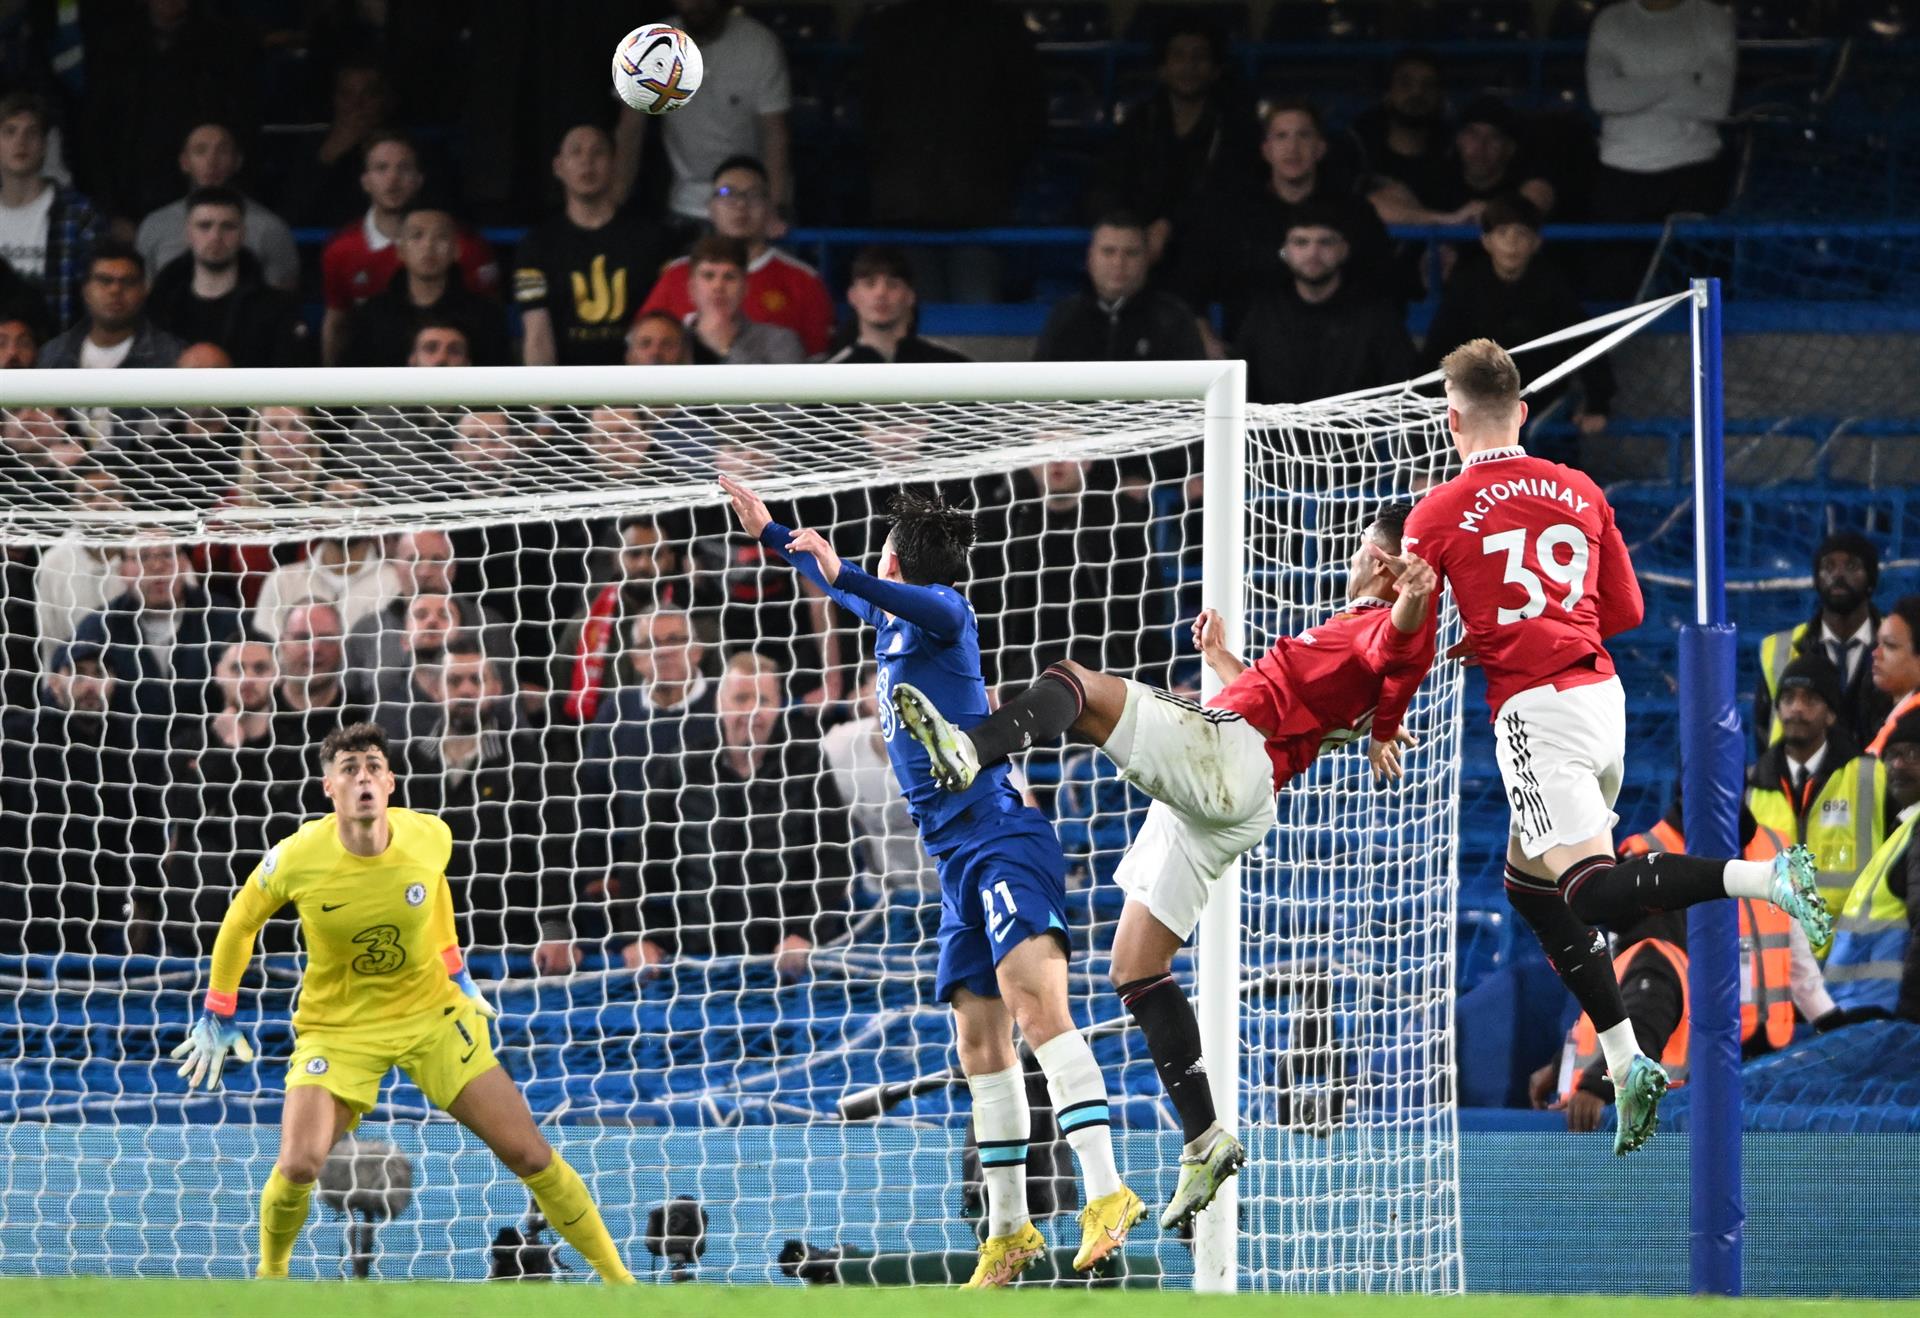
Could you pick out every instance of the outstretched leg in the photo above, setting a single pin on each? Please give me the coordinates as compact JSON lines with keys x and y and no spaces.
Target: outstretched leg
{"x":1067,"y":697}
{"x":492,"y":1107}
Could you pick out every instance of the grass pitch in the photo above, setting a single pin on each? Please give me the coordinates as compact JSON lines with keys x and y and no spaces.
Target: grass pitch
{"x":86,"y":1297}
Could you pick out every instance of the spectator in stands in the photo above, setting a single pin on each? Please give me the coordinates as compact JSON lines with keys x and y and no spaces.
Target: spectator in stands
{"x":1320,"y":335}
{"x":361,"y":259}
{"x":439,"y":342}
{"x":1194,"y":128}
{"x":19,"y":341}
{"x":741,"y":111}
{"x":427,"y":285}
{"x":1509,"y":294}
{"x":1405,"y":137}
{"x":781,"y":289}
{"x":759,"y":860}
{"x":39,"y":450}
{"x":214,"y":293}
{"x":47,"y":230}
{"x":576,"y":275}
{"x":79,"y":784}
{"x":402,"y":651}
{"x":721,"y":331}
{"x":883,"y":301}
{"x":1238,"y":234}
{"x":345,"y":571}
{"x":311,"y":699}
{"x":467,"y":760}
{"x":210,"y":157}
{"x":390,"y":640}
{"x":1846,"y":568}
{"x":940,"y":153}
{"x":1118,"y":318}
{"x":321,"y":189}
{"x":1896,"y":664}
{"x":115,"y":331}
{"x":1874,"y":968}
{"x":664,"y":713}
{"x":1660,"y":75}
{"x":625,"y":447}
{"x":486,"y":451}
{"x":886,"y":843}
{"x":657,"y":339}
{"x":163,"y":67}
{"x":159,"y":636}
{"x":1487,"y":162}
{"x":1813,"y":786}
{"x":650,"y":575}
{"x":76,"y":576}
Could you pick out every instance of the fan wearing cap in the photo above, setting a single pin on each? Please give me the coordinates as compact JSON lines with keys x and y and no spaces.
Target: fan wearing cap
{"x":1874,"y":968}
{"x":1318,"y":333}
{"x":1813,"y":786}
{"x":1488,"y":161}
{"x":1846,"y":568}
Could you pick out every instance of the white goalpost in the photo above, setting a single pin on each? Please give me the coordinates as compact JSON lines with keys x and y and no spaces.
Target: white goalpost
{"x":634,"y":872}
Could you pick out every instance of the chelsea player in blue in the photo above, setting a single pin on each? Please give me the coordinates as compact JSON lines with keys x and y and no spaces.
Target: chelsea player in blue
{"x":1003,"y":933}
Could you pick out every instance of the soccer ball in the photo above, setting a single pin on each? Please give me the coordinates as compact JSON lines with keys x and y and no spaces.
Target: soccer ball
{"x":657,"y":68}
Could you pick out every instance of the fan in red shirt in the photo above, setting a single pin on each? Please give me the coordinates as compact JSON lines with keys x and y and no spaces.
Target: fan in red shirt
{"x":359,"y":261}
{"x":1541,"y":578}
{"x":1212,"y":772}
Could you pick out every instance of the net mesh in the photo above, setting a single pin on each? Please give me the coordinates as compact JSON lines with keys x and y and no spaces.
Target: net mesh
{"x":683,"y":870}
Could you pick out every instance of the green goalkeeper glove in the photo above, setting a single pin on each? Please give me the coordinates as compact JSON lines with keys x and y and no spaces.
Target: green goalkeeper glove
{"x":206,"y":1047}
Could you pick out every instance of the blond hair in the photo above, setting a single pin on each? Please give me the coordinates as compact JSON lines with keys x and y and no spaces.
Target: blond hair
{"x":1481,"y":378}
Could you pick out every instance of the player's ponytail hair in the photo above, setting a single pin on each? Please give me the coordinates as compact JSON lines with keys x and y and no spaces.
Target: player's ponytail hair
{"x":931,"y":538}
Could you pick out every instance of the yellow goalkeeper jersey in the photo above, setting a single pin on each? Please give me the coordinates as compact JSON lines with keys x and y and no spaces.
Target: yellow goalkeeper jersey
{"x":381,"y":946}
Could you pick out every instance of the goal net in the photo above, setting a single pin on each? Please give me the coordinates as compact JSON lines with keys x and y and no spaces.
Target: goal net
{"x":683,"y":871}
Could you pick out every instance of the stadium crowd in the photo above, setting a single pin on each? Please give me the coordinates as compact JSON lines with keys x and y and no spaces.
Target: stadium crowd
{"x":651,"y":741}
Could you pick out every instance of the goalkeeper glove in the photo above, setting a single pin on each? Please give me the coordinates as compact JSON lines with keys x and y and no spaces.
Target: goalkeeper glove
{"x":206,"y":1047}
{"x":472,"y":990}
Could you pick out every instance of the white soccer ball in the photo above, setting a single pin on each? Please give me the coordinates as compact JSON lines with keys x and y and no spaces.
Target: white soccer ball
{"x":657,"y":68}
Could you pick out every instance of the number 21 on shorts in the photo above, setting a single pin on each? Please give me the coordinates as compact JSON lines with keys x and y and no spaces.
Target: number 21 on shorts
{"x":1546,"y":550}
{"x":997,"y":921}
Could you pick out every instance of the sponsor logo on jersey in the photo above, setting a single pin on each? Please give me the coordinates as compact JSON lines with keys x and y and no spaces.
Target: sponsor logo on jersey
{"x":316,"y":1066}
{"x":416,"y":893}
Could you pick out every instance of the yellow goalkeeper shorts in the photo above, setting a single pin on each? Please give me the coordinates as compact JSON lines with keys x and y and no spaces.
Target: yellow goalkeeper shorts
{"x":441,"y":1057}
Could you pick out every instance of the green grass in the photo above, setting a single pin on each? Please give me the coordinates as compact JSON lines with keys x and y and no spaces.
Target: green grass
{"x":84,"y":1297}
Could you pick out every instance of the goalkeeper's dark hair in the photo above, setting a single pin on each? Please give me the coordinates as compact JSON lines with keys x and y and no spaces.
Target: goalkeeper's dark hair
{"x":354,"y":737}
{"x":931,"y":538}
{"x":1389,"y":524}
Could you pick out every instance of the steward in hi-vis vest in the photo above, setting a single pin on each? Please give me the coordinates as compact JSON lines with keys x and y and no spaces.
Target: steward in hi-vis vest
{"x":1846,"y":568}
{"x":1874,"y":968}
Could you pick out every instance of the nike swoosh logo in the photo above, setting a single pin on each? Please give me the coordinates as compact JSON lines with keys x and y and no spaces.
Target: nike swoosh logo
{"x":583,"y":1214}
{"x":334,"y":907}
{"x":469,"y":1057}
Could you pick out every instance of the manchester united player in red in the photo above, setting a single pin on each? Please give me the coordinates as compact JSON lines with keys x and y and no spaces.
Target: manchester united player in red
{"x":1213,"y":772}
{"x":1541,"y":578}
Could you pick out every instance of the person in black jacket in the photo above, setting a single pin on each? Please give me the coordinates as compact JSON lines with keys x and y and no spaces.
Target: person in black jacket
{"x":1321,"y":333}
{"x":883,"y":299}
{"x":427,"y":285}
{"x":1119,"y":318}
{"x":761,"y":854}
{"x":1510,"y":293}
{"x":215,"y":292}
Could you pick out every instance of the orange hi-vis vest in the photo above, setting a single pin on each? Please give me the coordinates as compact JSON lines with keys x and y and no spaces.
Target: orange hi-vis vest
{"x":1908,"y":703}
{"x":1584,"y":1041}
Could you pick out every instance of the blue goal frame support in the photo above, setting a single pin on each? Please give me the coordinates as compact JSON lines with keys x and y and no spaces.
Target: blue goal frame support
{"x":1712,"y":761}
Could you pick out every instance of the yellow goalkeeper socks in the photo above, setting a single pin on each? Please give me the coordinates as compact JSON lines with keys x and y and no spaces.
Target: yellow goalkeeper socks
{"x":569,"y":1209}
{"x":283,"y":1211}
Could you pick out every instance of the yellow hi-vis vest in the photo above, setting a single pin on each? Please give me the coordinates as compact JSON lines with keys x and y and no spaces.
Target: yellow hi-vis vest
{"x":1870,"y":937}
{"x":1845,"y":823}
{"x":1776,"y":652}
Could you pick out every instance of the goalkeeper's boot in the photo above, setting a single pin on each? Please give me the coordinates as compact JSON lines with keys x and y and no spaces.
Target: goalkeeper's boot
{"x":1205,"y":1165}
{"x":1002,"y":1258}
{"x":1104,"y":1224}
{"x":1637,"y":1101}
{"x":1796,"y":891}
{"x":955,"y":765}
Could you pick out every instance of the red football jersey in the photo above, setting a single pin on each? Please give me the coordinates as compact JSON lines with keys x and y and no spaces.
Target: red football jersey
{"x":1539,"y":571}
{"x":781,"y":290}
{"x":352,"y":269}
{"x":1330,"y":684}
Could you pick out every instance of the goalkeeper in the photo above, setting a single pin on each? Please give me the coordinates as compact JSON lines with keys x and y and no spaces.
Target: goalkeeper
{"x":1003,"y":929}
{"x":384,"y":986}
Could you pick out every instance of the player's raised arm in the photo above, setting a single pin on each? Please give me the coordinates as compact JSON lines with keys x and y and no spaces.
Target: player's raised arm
{"x":204,"y":1050}
{"x":809,"y":561}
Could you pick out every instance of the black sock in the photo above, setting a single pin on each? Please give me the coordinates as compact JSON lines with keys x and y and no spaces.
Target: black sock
{"x":1601,"y":890}
{"x":1165,"y":1016}
{"x":1040,"y":713}
{"x":1577,"y":953}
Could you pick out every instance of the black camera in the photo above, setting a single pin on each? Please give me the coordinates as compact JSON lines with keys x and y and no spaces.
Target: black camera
{"x":519,"y":1253}
{"x":677,"y":1232}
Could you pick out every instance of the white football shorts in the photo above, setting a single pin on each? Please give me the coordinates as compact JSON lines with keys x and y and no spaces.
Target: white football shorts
{"x":1212,"y":787}
{"x":1562,"y":755}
